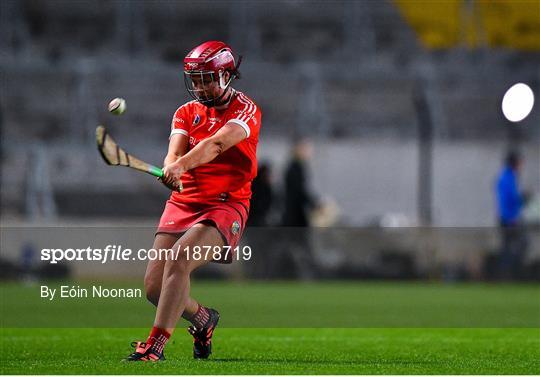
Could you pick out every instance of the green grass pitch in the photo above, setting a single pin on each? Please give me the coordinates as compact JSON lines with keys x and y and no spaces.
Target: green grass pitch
{"x":371,"y":348}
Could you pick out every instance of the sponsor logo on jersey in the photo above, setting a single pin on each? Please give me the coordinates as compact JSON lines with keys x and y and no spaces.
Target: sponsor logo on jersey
{"x":197,"y":119}
{"x":235,"y":227}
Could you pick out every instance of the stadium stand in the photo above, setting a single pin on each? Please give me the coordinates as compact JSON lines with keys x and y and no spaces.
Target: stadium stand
{"x":336,"y":70}
{"x":484,"y":23}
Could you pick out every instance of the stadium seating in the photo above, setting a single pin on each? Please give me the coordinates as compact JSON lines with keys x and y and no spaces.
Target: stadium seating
{"x":336,"y":70}
{"x":485,"y":23}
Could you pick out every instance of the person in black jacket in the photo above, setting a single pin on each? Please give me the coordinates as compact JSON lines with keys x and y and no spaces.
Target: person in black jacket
{"x":261,"y":197}
{"x":297,"y":196}
{"x":260,"y":235}
{"x":299,"y":202}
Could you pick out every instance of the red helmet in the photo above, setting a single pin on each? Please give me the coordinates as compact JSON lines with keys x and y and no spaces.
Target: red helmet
{"x":206,"y":62}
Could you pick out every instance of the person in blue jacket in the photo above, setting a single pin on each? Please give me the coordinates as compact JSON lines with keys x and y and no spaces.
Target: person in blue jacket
{"x":510,"y":204}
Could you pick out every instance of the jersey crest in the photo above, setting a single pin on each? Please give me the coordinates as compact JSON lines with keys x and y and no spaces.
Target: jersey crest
{"x":197,"y":119}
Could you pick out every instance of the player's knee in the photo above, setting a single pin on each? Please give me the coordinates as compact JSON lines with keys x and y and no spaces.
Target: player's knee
{"x":179,"y":265}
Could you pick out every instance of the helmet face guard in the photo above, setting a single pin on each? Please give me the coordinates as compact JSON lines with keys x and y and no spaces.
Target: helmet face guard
{"x":204,"y":72}
{"x":202,"y":85}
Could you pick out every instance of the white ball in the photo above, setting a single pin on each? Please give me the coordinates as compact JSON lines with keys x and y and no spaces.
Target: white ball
{"x":517,"y":102}
{"x":117,"y":106}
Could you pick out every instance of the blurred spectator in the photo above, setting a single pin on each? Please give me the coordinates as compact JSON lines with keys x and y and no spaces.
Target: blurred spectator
{"x":258,"y":235}
{"x":510,"y":202}
{"x":28,"y":257}
{"x":299,"y":202}
{"x":298,"y":199}
{"x":262,"y":195}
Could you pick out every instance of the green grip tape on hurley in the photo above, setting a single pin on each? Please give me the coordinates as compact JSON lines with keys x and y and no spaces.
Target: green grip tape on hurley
{"x":155,"y":171}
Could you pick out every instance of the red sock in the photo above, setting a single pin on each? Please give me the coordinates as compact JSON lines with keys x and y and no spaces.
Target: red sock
{"x":158,"y":338}
{"x":200,"y":318}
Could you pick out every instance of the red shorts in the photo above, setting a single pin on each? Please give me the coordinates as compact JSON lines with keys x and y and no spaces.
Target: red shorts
{"x":229,"y":219}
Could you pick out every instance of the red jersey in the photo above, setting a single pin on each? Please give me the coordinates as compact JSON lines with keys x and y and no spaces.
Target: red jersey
{"x":228,"y":177}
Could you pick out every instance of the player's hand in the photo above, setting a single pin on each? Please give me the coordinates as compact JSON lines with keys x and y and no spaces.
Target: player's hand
{"x":171,"y":177}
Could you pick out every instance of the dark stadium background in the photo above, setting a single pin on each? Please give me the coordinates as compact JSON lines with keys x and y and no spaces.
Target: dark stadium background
{"x":357,"y":78}
{"x":400,"y":99}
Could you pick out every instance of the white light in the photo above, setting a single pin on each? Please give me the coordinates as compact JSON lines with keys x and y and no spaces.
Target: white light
{"x":517,"y":102}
